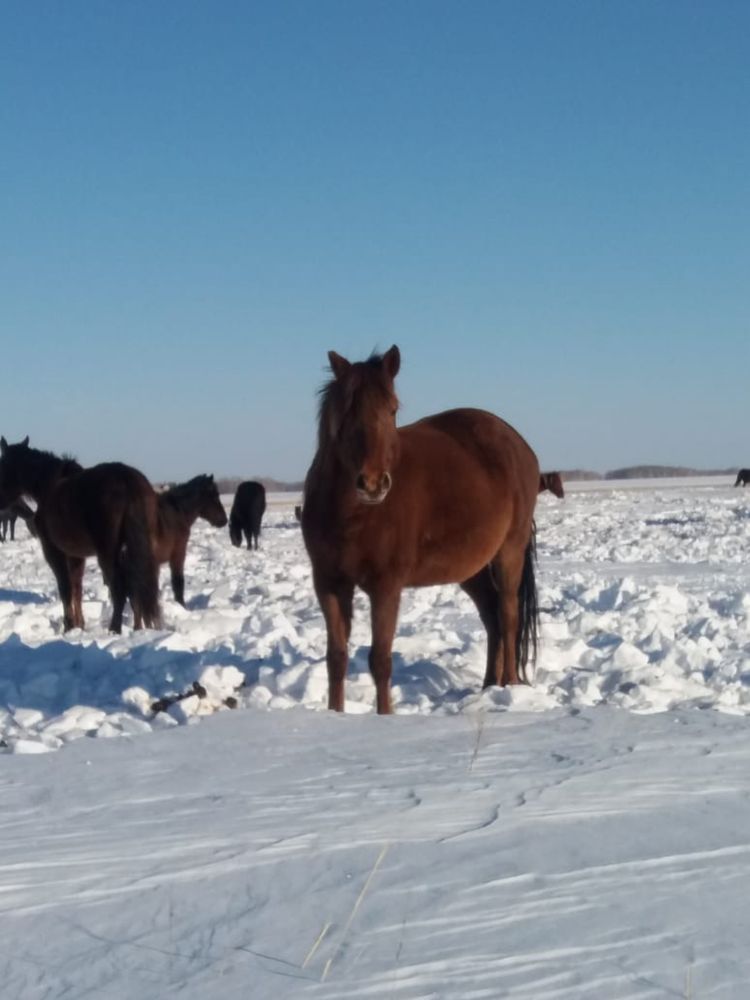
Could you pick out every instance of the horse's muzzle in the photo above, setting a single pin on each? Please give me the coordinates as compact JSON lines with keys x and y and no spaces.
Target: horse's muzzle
{"x":369,"y":495}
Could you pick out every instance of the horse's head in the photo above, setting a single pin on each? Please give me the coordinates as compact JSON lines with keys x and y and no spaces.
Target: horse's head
{"x":358,"y":418}
{"x":211,"y":508}
{"x":11,"y":466}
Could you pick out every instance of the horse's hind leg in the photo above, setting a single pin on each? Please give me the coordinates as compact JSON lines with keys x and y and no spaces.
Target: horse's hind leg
{"x":110,"y":563}
{"x":76,"y":567}
{"x":514,"y":568}
{"x":482,"y":590}
{"x":118,"y":591}
{"x":336,"y":605}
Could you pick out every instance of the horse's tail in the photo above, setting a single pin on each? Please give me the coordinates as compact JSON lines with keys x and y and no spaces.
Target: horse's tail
{"x":139,"y":563}
{"x":527,"y":634}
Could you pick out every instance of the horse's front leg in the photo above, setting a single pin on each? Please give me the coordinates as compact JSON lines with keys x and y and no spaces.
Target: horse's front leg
{"x":59,"y":565}
{"x":336,"y":605}
{"x":384,"y":602}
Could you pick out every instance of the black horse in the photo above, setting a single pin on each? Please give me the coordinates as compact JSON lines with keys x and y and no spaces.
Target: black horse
{"x":247,"y":513}
{"x":743,"y":476}
{"x":9,"y":516}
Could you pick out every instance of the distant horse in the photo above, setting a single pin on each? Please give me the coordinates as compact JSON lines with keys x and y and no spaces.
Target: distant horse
{"x":448,"y":499}
{"x":108,"y":510}
{"x":247,"y":513}
{"x":551,"y":481}
{"x":298,"y":512}
{"x":743,"y":476}
{"x":179,"y":507}
{"x":10,"y":515}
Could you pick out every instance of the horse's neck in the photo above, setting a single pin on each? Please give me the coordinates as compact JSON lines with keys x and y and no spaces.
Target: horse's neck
{"x":42,"y":473}
{"x":171,"y":516}
{"x":187,"y":511}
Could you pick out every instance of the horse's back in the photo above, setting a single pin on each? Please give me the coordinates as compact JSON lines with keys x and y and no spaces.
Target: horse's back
{"x":91,"y":505}
{"x":249,"y":499}
{"x":475,"y":444}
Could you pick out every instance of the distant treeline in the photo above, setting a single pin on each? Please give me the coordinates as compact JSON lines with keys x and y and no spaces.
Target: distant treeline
{"x":644,"y":472}
{"x":228,"y":484}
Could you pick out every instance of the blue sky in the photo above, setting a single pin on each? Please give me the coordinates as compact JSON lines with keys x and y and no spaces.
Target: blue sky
{"x":546,"y":205}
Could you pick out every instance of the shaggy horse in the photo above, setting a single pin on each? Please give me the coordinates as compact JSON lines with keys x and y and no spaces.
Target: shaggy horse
{"x":448,"y":499}
{"x":179,"y":508}
{"x":743,"y":476}
{"x":551,"y":481}
{"x":108,"y":511}
{"x":247,"y":513}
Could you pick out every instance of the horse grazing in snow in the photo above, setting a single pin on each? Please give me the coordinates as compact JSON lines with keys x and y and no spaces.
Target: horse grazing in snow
{"x":743,"y":476}
{"x":10,"y":515}
{"x":448,"y":499}
{"x":551,"y":481}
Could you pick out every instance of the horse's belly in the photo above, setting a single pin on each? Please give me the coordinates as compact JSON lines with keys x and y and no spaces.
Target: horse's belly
{"x":68,"y":537}
{"x":453,"y":560}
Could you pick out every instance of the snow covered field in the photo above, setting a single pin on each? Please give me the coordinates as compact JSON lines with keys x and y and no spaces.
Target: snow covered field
{"x":586,"y":837}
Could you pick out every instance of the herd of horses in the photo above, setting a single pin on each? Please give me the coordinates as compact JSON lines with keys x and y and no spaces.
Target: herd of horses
{"x":447,"y":499}
{"x":110,"y":511}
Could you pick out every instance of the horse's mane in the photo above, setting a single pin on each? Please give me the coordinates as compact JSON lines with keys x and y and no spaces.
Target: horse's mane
{"x":182,"y":494}
{"x":67,"y":463}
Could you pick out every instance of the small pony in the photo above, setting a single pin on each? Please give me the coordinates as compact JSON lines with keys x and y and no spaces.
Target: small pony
{"x":108,"y":510}
{"x":448,"y":499}
{"x":179,"y":507}
{"x":743,"y":476}
{"x":551,"y":481}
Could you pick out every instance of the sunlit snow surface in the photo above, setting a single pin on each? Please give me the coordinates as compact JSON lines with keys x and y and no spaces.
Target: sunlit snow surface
{"x":644,"y":597}
{"x":586,"y":837}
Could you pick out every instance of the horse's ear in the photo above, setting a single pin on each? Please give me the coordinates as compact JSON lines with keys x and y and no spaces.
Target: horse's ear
{"x":25,"y":442}
{"x":392,"y":362}
{"x":339,"y":366}
{"x":3,"y":445}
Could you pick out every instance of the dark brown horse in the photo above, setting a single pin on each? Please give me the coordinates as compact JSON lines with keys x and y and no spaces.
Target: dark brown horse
{"x":743,"y":477}
{"x":551,"y":481}
{"x":108,"y":510}
{"x":449,"y":499}
{"x":179,"y":508}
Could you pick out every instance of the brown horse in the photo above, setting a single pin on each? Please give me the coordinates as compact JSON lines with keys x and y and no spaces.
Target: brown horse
{"x":448,"y":499}
{"x":179,"y":508}
{"x":551,"y":481}
{"x":108,"y":510}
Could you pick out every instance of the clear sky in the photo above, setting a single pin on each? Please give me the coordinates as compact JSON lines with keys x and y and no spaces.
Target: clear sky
{"x":546,"y":205}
